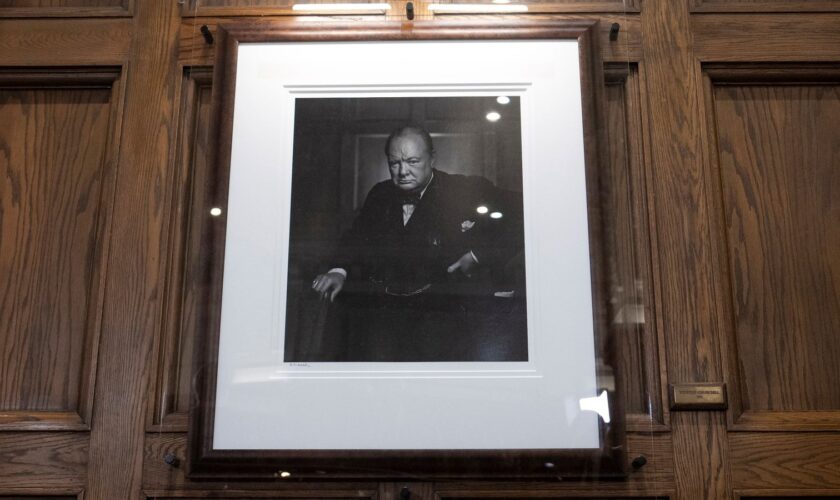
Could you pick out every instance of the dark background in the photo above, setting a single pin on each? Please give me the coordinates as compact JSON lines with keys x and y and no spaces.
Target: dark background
{"x":339,"y":155}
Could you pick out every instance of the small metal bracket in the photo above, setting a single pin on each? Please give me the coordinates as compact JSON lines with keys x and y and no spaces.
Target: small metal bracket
{"x":614,"y":31}
{"x":205,"y":32}
{"x":409,"y":11}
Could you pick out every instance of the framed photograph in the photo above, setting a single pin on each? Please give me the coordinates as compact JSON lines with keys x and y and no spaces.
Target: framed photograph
{"x":400,"y":247}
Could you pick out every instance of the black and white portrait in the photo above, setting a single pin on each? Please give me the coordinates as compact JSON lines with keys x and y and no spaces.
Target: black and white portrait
{"x":406,"y":232}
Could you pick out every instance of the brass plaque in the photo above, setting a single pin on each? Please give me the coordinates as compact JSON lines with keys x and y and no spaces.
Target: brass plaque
{"x":707,"y":396}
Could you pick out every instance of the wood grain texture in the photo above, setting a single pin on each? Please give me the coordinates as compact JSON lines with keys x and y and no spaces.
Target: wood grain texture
{"x":781,"y":493}
{"x":213,"y":8}
{"x":36,"y":495}
{"x":194,"y":50}
{"x":302,"y":493}
{"x":687,"y":298}
{"x":778,"y":149}
{"x":55,"y":163}
{"x":65,"y":8}
{"x":38,"y":460}
{"x":134,"y":286}
{"x":754,"y":6}
{"x":175,"y":350}
{"x":627,"y":248}
{"x":39,"y":42}
{"x":766,"y":38}
{"x":785,"y":460}
{"x":207,"y":461}
{"x":655,"y":478}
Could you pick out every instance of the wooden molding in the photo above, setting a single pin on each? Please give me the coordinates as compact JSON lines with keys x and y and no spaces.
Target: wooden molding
{"x":740,"y":417}
{"x":170,"y":391}
{"x":78,"y":416}
{"x":239,"y":8}
{"x":10,"y":10}
{"x":753,"y":6}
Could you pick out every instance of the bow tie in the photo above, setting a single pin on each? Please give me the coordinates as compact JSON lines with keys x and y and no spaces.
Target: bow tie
{"x":410,"y":199}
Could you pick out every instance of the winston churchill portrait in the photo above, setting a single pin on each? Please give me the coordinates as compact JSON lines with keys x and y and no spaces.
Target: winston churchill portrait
{"x":430,"y":265}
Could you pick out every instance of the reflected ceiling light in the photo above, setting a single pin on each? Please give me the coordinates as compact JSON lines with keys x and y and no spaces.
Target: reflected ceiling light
{"x":503,"y":99}
{"x":482,"y":209}
{"x":215,"y":211}
{"x":340,"y":7}
{"x":476,"y":7}
{"x":285,"y":474}
{"x":598,"y":404}
{"x":496,"y":215}
{"x":493,"y":116}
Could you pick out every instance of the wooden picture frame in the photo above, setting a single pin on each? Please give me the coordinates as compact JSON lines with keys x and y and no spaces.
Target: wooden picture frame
{"x":206,"y":462}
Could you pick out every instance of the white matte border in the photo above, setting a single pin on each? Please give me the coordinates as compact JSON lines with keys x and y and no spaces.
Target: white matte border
{"x":264,"y":403}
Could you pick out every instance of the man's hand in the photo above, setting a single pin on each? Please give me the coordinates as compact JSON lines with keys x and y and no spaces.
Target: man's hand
{"x":328,"y":284}
{"x":465,"y":264}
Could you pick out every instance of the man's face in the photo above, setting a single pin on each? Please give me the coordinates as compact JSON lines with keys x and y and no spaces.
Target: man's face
{"x":410,"y":162}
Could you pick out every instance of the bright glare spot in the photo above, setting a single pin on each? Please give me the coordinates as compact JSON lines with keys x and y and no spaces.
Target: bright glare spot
{"x":474,"y":7}
{"x":340,"y":7}
{"x":493,"y":116}
{"x":482,"y":209}
{"x":285,"y":474}
{"x":215,"y":211}
{"x":503,"y":99}
{"x":496,"y":215}
{"x":598,"y":404}
{"x":501,"y":1}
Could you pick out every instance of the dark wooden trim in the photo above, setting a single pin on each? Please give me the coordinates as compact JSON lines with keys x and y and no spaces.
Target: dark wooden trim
{"x":748,"y":38}
{"x":162,"y":415}
{"x":773,"y":73}
{"x":204,"y":461}
{"x":191,"y":9}
{"x":194,"y":51}
{"x":742,"y":494}
{"x":775,"y":6}
{"x":34,"y":43}
{"x":627,"y":75}
{"x":79,"y":493}
{"x":73,"y":78}
{"x":125,"y":10}
{"x":302,"y":492}
{"x":738,"y":417}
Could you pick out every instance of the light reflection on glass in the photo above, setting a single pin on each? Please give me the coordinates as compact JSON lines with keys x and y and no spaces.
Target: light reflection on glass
{"x":326,"y":7}
{"x":598,"y":404}
{"x":493,"y":116}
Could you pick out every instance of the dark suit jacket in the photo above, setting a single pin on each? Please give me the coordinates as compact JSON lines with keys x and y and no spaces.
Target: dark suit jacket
{"x":444,"y":226}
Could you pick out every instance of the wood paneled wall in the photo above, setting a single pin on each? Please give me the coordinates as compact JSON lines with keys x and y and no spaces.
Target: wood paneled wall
{"x":721,"y":199}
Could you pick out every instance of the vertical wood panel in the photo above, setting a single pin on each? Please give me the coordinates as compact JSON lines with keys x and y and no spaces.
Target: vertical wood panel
{"x":779,"y":151}
{"x":54,"y":165}
{"x":171,"y":398}
{"x":131,"y":317}
{"x":687,"y":312}
{"x":628,"y":252}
